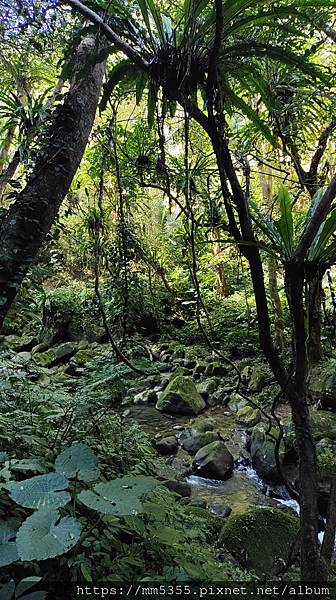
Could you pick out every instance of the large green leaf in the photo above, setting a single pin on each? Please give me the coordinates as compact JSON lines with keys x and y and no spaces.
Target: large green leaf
{"x":8,"y":551}
{"x":325,"y":232}
{"x":46,"y":535}
{"x":78,"y":461}
{"x":125,"y":69}
{"x":37,"y":465}
{"x":251,"y":114}
{"x":40,"y":491}
{"x":285,"y":224}
{"x":119,"y":497}
{"x":267,"y":227}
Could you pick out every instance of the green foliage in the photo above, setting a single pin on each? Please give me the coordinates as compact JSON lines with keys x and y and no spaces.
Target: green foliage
{"x":78,"y":462}
{"x":119,"y":497}
{"x":45,"y":535}
{"x":42,"y":491}
{"x":281,"y":233}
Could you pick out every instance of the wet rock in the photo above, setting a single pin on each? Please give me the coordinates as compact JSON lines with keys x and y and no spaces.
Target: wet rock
{"x":180,"y":397}
{"x":55,"y":355}
{"x":145,"y":397}
{"x":22,"y":358}
{"x":167,"y":445}
{"x":236,"y":402}
{"x":220,"y":510}
{"x":192,"y":441}
{"x":199,"y":502}
{"x":213,"y":461}
{"x":248,"y":416}
{"x":262,"y":449}
{"x":217,"y":397}
{"x":179,"y":487}
{"x":207,"y":387}
{"x":246,"y":375}
{"x":258,"y":378}
{"x":261,"y":539}
{"x":216,"y":368}
{"x":200,"y":368}
{"x":18,"y":343}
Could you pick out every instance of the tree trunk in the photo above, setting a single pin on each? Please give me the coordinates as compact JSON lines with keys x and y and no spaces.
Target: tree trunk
{"x":266,"y":183}
{"x":314,"y":300}
{"x":279,"y":323}
{"x":31,"y":216}
{"x":293,"y":388}
{"x":330,"y":530}
{"x":311,"y":564}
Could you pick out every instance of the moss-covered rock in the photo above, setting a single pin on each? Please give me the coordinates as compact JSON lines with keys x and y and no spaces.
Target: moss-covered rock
{"x":262,"y":450}
{"x":248,"y":416}
{"x":55,"y":355}
{"x":323,"y":424}
{"x":258,"y":378}
{"x":236,"y":402}
{"x":261,"y":539}
{"x":82,"y":357}
{"x":180,"y":397}
{"x":216,"y":369}
{"x":192,"y":440}
{"x":213,"y":461}
{"x":179,"y":372}
{"x":208,"y":386}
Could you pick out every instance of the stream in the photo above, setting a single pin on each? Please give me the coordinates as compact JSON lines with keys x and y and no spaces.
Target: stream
{"x":241,"y":491}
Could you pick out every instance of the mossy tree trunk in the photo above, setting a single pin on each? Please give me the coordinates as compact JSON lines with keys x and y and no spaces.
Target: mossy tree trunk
{"x":31,"y":216}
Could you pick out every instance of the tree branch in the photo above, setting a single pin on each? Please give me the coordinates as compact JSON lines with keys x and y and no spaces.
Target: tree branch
{"x":123,"y":46}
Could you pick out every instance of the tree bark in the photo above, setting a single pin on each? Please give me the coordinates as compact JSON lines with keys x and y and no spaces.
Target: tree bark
{"x":328,"y":543}
{"x":266,"y":182}
{"x":31,"y":216}
{"x":314,"y":343}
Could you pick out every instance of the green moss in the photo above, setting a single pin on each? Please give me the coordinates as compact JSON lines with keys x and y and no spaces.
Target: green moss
{"x":181,"y":397}
{"x":261,"y":539}
{"x":248,"y":416}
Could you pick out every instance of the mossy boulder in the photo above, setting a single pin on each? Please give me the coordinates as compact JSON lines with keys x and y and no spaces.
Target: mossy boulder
{"x":82,"y":357}
{"x":20,"y":343}
{"x":208,"y":386}
{"x":180,"y":397}
{"x":192,"y":440}
{"x":261,"y":539}
{"x":323,"y":424}
{"x":167,"y":445}
{"x":248,"y":416}
{"x":213,"y":461}
{"x":216,"y":369}
{"x":179,"y":372}
{"x":55,"y":355}
{"x":326,"y":456}
{"x":262,"y":451}
{"x":258,"y":378}
{"x":236,"y":402}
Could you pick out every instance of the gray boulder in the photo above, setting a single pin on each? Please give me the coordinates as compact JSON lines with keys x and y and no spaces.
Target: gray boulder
{"x":213,"y":461}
